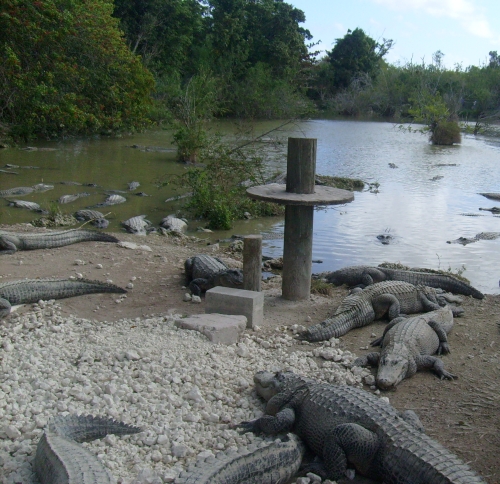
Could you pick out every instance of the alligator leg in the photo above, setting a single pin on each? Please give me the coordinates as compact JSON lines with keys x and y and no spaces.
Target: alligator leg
{"x":378,"y":341}
{"x":282,"y":422}
{"x":371,"y":275}
{"x":5,"y":307}
{"x":351,"y":443}
{"x":7,"y":247}
{"x":371,"y":359}
{"x":386,"y":303}
{"x":435,"y":364}
{"x":195,"y":286}
{"x":443,"y":337}
{"x":412,"y":418}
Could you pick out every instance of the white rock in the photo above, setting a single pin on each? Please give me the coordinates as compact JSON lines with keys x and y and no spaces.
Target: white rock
{"x":12,"y":432}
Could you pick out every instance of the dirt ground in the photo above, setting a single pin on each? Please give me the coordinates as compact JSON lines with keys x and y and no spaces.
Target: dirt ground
{"x":463,"y":414}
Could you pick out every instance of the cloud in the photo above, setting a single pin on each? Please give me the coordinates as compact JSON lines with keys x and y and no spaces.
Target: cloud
{"x":463,"y":11}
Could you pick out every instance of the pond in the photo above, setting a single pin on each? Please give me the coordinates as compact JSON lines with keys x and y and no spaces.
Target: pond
{"x":419,"y":204}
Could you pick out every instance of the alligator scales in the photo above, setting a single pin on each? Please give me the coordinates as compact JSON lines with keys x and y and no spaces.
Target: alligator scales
{"x":362,"y":308}
{"x":345,"y":426}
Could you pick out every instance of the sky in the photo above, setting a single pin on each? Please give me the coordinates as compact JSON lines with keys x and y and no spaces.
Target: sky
{"x":465,"y":31}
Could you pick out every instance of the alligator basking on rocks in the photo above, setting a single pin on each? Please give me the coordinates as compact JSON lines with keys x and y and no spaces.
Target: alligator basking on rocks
{"x":408,"y":345}
{"x":60,"y":459}
{"x":389,"y":297}
{"x":366,"y":275}
{"x":33,"y":290}
{"x":346,"y":426}
{"x":271,"y":463}
{"x":203,"y":272}
{"x":11,"y":242}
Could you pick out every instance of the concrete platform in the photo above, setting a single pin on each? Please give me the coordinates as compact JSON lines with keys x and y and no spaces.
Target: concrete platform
{"x":218,"y":328}
{"x":227,"y":300}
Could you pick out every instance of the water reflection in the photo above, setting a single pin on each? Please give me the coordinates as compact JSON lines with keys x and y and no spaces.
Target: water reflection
{"x":419,"y":203}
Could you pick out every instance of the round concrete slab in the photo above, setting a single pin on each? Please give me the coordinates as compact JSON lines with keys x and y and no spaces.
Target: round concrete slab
{"x":277,"y":193}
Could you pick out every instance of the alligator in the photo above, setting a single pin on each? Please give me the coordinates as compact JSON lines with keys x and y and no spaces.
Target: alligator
{"x":40,"y":187}
{"x":385,"y":239}
{"x":272,"y":463}
{"x":388,"y":297}
{"x":11,"y":242}
{"x":366,"y":275}
{"x":408,"y":345}
{"x":133,"y":185}
{"x":73,"y":197}
{"x":343,"y":425}
{"x":32,"y":290}
{"x":491,"y":196}
{"x":476,"y":238}
{"x":173,"y":224}
{"x":96,"y":218}
{"x":60,"y":460}
{"x":203,"y":272}
{"x":137,"y":225}
{"x":112,"y":200}
{"x":28,"y":205}
{"x":492,"y":209}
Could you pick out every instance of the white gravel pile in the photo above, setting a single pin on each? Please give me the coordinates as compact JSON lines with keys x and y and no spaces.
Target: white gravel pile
{"x":182,"y":390}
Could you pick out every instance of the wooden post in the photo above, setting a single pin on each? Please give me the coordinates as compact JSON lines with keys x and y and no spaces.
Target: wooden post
{"x":297,"y":248}
{"x":252,"y":262}
{"x":301,"y":165}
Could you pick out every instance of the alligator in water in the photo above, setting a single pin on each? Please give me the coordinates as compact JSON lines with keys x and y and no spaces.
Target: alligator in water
{"x":366,"y":275}
{"x":11,"y":242}
{"x":111,"y":200}
{"x":60,"y":459}
{"x":32,"y":290}
{"x":96,"y":218}
{"x":27,"y":205}
{"x":73,"y":197}
{"x":203,"y":272}
{"x":271,"y":463}
{"x":476,"y":238}
{"x":40,"y":187}
{"x":492,"y":209}
{"x":407,"y":346}
{"x":491,"y":196}
{"x":138,"y":225}
{"x":389,"y":297}
{"x":344,"y":426}
{"x":133,"y":185}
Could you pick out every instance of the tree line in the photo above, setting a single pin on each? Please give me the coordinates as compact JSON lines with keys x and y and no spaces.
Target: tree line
{"x":71,"y":67}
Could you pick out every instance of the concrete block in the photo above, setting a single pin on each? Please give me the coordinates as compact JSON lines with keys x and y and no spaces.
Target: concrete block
{"x":227,"y":300}
{"x":218,"y":328}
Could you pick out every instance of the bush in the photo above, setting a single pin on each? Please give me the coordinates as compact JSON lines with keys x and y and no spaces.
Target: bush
{"x":446,"y":133}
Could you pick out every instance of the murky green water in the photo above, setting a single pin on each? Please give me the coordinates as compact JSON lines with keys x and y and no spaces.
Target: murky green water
{"x":419,"y":203}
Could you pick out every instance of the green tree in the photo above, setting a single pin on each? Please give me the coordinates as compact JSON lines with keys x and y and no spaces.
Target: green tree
{"x":165,"y":33}
{"x":65,"y":69}
{"x":354,"y":54}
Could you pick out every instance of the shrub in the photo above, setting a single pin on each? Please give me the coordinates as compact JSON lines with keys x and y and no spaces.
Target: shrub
{"x":445,"y":133}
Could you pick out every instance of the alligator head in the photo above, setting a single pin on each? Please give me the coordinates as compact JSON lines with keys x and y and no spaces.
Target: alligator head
{"x":268,"y":384}
{"x":230,"y":278}
{"x":393,"y":368}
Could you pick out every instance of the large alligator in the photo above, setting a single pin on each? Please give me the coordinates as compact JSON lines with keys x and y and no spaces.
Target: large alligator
{"x":389,"y":297}
{"x":11,"y":242}
{"x":366,"y":275}
{"x":272,"y":463}
{"x":40,"y":187}
{"x":203,"y":272}
{"x":60,"y":459}
{"x":138,"y":225}
{"x":33,"y":290}
{"x":408,"y":345}
{"x":344,"y":426}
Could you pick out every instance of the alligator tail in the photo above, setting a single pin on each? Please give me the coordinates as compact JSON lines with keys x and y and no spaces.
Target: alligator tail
{"x":84,"y":428}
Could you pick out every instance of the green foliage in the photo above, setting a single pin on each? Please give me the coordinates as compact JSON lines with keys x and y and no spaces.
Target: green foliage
{"x":434,"y":113}
{"x":446,"y":133}
{"x":196,"y":104}
{"x":356,"y":53}
{"x":65,"y":69}
{"x":219,"y":188}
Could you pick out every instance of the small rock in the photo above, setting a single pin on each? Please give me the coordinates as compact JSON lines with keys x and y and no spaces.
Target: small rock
{"x":196,"y":299}
{"x":187,"y":297}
